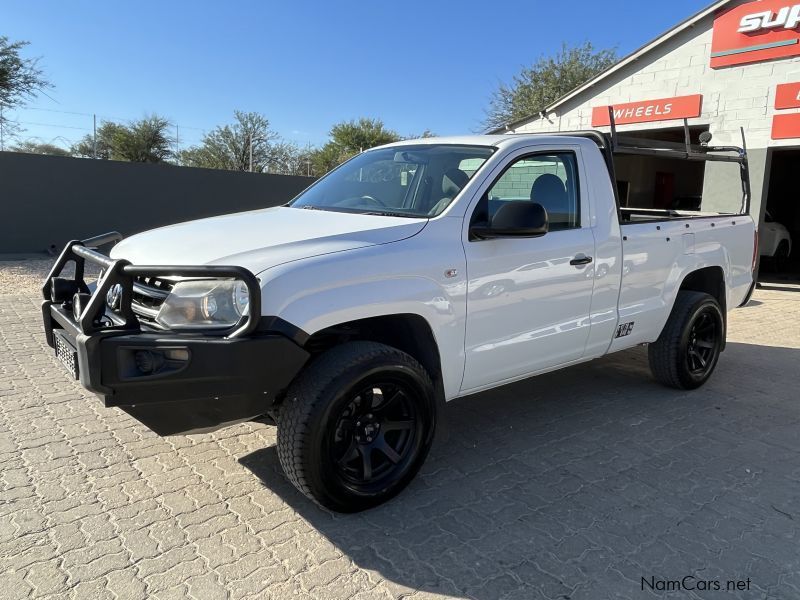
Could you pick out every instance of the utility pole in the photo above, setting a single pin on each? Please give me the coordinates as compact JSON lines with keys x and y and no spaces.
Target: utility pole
{"x":94,"y":136}
{"x":2,"y":127}
{"x":177,"y":144}
{"x":250,"y":138}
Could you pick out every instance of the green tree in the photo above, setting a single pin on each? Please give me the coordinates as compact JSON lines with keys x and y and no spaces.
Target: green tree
{"x":230,"y":146}
{"x":545,"y":81}
{"x":328,"y":158}
{"x":421,"y":136}
{"x":289,"y":159}
{"x":357,"y":136}
{"x":348,"y":138}
{"x":145,"y":140}
{"x":106,"y":134}
{"x":31,"y":147}
{"x":20,"y":80}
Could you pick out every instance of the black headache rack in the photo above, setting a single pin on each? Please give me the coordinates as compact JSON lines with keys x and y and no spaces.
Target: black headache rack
{"x":612,"y":144}
{"x":172,"y":381}
{"x":89,"y":310}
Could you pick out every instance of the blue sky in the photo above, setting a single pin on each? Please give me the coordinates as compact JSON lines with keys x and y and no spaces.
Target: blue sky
{"x":305,"y":65}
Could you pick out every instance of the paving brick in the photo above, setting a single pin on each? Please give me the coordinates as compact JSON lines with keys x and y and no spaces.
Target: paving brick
{"x":206,"y":587}
{"x":575,"y":483}
{"x":96,"y":590}
{"x":47,"y":578}
{"x":125,"y":583}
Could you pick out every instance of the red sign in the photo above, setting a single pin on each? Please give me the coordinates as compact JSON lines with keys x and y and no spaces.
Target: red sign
{"x":787,"y":95}
{"x":663,"y":109}
{"x":786,"y":127}
{"x":756,"y":31}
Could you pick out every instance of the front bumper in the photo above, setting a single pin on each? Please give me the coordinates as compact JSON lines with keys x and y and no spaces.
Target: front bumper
{"x":171,"y":382}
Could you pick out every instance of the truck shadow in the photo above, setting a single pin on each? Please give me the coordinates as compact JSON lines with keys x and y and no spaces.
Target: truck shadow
{"x":579,"y":483}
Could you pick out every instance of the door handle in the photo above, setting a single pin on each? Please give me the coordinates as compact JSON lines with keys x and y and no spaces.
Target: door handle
{"x":580,"y":260}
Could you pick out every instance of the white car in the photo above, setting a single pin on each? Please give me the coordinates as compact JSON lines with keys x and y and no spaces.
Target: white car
{"x":414,"y":274}
{"x":774,"y":239}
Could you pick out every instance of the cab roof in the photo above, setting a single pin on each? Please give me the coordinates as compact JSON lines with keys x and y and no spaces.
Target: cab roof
{"x":505,"y":141}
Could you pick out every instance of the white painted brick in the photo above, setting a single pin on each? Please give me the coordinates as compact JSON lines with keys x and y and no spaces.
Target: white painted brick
{"x":712,"y":86}
{"x":680,"y":61}
{"x":669,"y":73}
{"x":749,"y":71}
{"x":754,"y":92}
{"x":643,"y":77}
{"x":752,"y":86}
{"x":751,"y":116}
{"x":738,"y":103}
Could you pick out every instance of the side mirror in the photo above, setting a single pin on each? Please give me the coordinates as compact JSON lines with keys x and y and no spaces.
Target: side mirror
{"x":515,"y":218}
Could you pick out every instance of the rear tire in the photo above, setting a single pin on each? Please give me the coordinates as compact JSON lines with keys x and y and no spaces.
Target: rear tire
{"x":686,"y":353}
{"x":356,"y":426}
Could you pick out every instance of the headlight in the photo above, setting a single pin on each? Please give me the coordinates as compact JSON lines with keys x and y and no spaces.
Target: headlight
{"x":197,"y":304}
{"x":241,"y":297}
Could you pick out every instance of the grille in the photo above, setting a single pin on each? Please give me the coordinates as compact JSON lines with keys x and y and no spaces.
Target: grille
{"x":66,"y":354}
{"x":148,"y":295}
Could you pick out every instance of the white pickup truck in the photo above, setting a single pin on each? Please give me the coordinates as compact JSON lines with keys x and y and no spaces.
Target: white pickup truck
{"x":414,"y":274}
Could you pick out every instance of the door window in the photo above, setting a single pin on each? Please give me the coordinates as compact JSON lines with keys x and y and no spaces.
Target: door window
{"x":549,"y":179}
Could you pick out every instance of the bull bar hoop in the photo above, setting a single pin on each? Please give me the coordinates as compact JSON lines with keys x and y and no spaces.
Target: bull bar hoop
{"x":122,"y":272}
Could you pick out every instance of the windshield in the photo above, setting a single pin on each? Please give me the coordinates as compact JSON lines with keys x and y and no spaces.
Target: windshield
{"x":406,"y":181}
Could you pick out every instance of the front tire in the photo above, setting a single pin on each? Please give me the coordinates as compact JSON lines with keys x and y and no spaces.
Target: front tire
{"x":687,"y":351}
{"x":356,"y":426}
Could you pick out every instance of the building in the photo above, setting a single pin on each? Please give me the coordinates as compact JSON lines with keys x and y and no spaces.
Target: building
{"x":734,"y":65}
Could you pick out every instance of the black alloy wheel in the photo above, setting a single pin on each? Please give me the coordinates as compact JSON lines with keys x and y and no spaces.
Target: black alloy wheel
{"x":686,"y":353}
{"x":356,"y":425}
{"x":703,"y":344}
{"x":375,"y":434}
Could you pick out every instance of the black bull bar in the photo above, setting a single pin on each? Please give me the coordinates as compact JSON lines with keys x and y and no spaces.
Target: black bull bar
{"x":206,"y":378}
{"x":92,"y":306}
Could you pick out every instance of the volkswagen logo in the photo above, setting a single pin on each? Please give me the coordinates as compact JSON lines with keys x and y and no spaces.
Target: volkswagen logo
{"x":114,"y":296}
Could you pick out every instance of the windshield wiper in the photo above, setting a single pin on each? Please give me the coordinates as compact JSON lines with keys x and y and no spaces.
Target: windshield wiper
{"x":388,"y":213}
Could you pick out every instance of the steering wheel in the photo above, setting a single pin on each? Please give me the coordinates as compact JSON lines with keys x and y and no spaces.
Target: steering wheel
{"x":374,"y":201}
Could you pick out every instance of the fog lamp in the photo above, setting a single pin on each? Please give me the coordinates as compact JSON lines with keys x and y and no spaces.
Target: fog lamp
{"x":148,"y":361}
{"x":79,"y":303}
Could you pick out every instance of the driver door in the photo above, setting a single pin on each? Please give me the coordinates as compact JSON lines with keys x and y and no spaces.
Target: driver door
{"x":529,"y":299}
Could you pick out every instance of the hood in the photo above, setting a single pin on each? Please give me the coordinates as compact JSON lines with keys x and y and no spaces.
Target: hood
{"x":260,"y":239}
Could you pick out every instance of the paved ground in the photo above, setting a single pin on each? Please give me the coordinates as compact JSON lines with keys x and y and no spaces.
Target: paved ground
{"x":575,"y":485}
